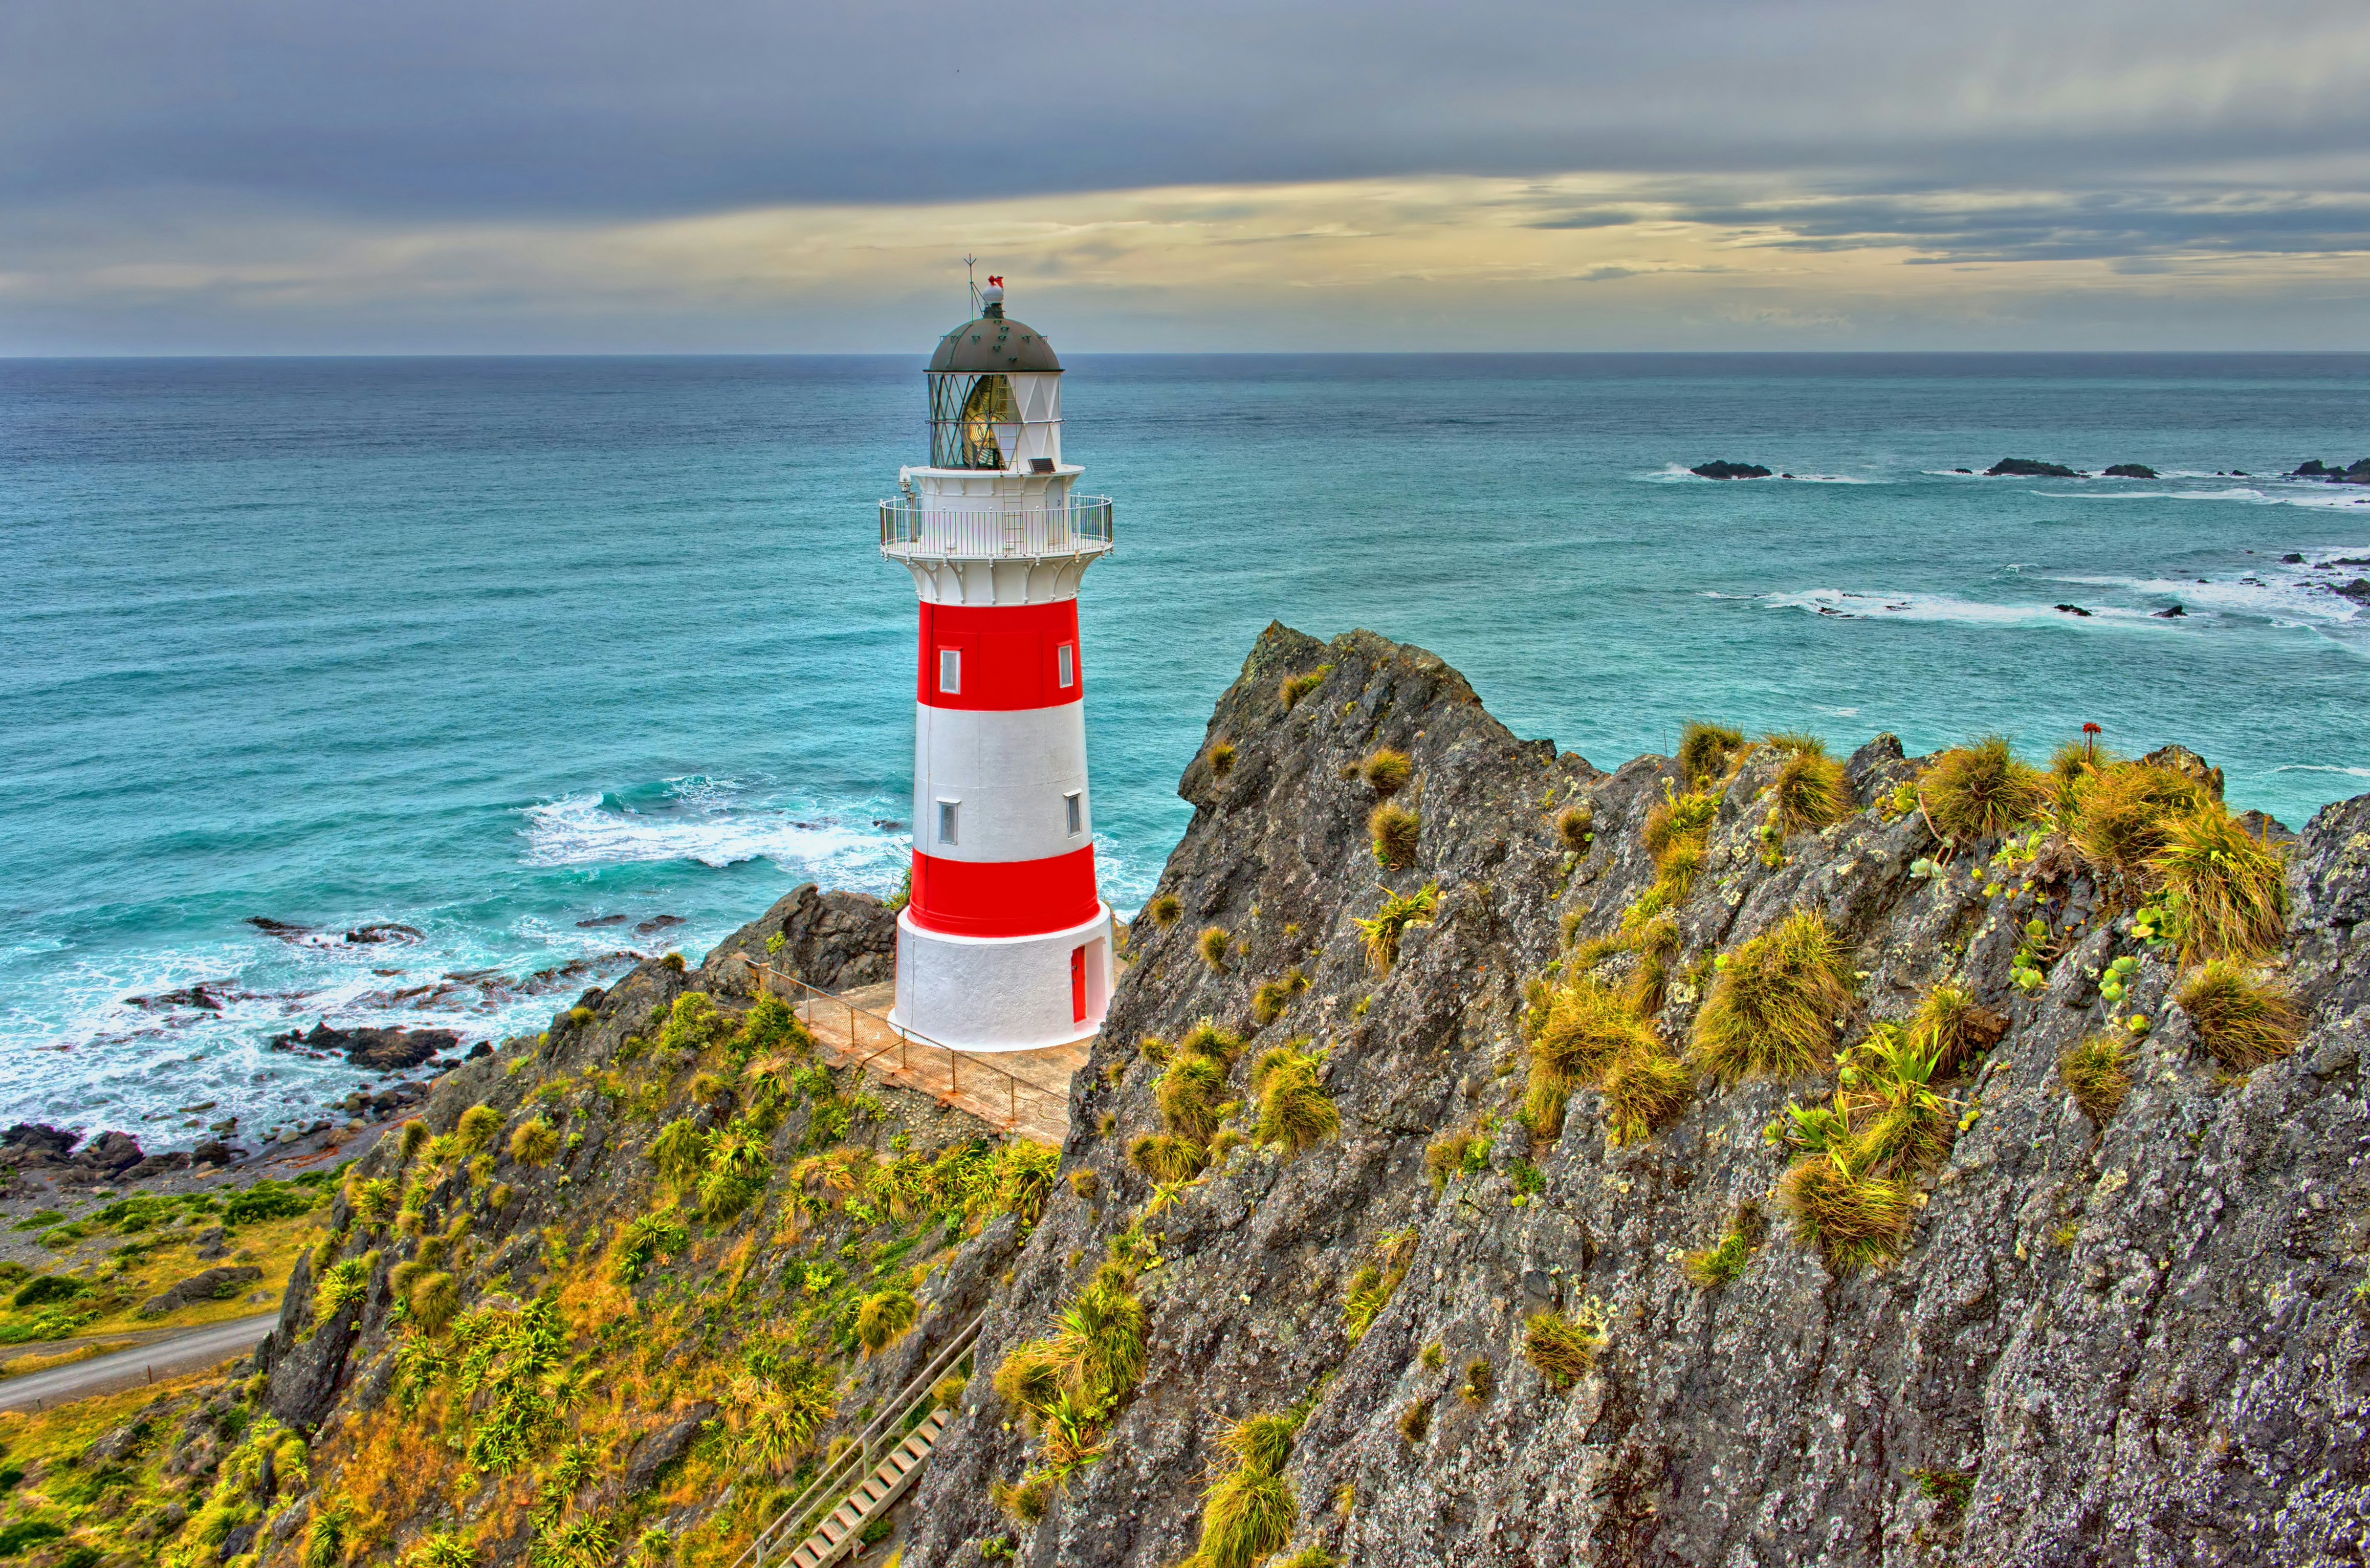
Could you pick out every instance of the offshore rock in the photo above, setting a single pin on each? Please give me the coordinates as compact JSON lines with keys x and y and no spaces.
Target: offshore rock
{"x":379,"y":1050}
{"x":2030,"y":468}
{"x":2129,"y":1344}
{"x":1721,"y":469}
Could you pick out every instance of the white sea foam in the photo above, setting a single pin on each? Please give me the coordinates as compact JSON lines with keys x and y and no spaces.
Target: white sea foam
{"x":2322,"y":768}
{"x":1837,"y":603}
{"x":715,"y":825}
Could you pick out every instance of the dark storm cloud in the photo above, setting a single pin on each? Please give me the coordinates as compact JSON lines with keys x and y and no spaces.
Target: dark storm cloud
{"x":605,"y":108}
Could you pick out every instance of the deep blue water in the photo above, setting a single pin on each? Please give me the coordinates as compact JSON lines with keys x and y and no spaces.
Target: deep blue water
{"x":493,"y":647}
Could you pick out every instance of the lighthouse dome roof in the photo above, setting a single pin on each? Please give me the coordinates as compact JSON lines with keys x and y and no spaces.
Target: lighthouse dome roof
{"x":994,"y":343}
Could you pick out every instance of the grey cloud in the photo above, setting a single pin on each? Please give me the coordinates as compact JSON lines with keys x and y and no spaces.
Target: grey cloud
{"x":619,"y":107}
{"x":1967,"y":227}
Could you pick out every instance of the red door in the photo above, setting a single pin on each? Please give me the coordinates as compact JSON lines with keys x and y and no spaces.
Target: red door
{"x":1078,"y":985}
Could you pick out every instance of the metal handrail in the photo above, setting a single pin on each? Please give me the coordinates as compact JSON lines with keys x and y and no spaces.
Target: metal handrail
{"x":1079,"y":526}
{"x":843,"y":1475}
{"x":903,"y":1036}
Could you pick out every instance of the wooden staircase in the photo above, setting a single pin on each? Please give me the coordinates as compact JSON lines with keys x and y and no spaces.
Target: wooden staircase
{"x":832,"y":1539}
{"x":869,"y":1475}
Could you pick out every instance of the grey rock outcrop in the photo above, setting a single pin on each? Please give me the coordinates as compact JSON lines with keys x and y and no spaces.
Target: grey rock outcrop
{"x":207,"y":1285}
{"x":2131,"y":1344}
{"x":834,"y":941}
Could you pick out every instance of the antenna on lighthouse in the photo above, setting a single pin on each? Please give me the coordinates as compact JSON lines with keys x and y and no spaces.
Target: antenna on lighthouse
{"x":972,"y":283}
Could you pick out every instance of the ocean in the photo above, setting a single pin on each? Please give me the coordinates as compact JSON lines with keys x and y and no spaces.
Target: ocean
{"x":553,"y":661}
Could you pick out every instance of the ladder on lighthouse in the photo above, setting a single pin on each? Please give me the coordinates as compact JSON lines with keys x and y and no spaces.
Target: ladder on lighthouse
{"x":869,"y":1475}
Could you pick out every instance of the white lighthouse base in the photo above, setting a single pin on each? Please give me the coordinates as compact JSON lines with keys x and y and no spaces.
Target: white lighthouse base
{"x":1002,"y":993}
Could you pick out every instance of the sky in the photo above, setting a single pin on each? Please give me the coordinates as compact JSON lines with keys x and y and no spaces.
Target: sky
{"x":727,"y":176}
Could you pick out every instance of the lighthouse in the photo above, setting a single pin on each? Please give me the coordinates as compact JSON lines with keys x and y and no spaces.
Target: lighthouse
{"x":1004,"y":943}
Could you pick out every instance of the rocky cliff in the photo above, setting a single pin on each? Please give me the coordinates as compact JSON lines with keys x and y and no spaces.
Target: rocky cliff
{"x":2133,"y":1339}
{"x":1487,"y":1160}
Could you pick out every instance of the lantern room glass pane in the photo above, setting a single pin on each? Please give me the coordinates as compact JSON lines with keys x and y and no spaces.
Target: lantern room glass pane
{"x":964,"y":412}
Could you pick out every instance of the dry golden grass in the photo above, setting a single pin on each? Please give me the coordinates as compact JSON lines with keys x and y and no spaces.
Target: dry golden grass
{"x":1705,"y":749}
{"x":1980,"y":791}
{"x":2093,"y":1071}
{"x":1394,"y":830}
{"x":2125,"y":818}
{"x":1385,"y":770}
{"x":1776,"y":1005}
{"x":2226,"y":890}
{"x":1810,"y":791}
{"x":2244,"y":1021}
{"x":1854,"y":1220}
{"x":1644,"y":1089}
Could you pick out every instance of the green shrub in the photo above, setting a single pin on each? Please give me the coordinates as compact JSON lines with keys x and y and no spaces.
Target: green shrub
{"x":1385,"y":770}
{"x":1295,"y":687}
{"x":2093,"y":1071}
{"x":24,"y":1533}
{"x":343,"y":1286}
{"x":1371,"y":1287}
{"x":2242,"y":1021}
{"x":772,"y":1029}
{"x":1399,"y":911}
{"x":883,"y":1317}
{"x":1981,"y":791}
{"x":1249,"y":1513}
{"x":648,"y":1238}
{"x":1394,"y":830}
{"x":1705,"y":749}
{"x":1563,"y":1348}
{"x":1776,"y":1005}
{"x":48,"y":1289}
{"x":1714,"y":1267}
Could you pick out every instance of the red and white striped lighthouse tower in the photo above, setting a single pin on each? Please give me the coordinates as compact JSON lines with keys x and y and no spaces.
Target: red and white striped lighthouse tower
{"x":1005,"y":944}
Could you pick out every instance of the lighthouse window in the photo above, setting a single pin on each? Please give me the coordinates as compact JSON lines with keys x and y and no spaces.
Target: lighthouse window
{"x":1068,"y":661}
{"x":947,"y":815}
{"x":950,"y":670}
{"x":1075,"y":805}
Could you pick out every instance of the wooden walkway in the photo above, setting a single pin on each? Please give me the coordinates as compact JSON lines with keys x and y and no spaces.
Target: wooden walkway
{"x":1018,"y":1092}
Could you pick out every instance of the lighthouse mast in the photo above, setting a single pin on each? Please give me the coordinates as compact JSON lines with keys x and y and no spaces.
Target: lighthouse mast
{"x":1005,"y":944}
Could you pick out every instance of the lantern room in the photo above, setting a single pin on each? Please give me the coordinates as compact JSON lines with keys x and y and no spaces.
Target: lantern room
{"x":995,"y":395}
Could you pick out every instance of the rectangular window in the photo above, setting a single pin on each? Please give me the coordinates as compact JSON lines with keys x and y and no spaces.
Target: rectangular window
{"x":1078,"y":812}
{"x":946,"y":812}
{"x":1069,"y":668}
{"x":950,"y":670}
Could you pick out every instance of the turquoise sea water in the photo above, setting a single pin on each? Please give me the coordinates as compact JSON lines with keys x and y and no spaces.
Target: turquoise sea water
{"x":492,"y":649}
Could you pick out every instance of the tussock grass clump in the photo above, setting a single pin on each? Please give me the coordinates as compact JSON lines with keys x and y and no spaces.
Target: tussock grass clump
{"x":1394,"y":830}
{"x":2094,"y":1072}
{"x":478,"y":1127}
{"x":1386,"y":771}
{"x":1248,"y":1512}
{"x":1069,"y":1383}
{"x":1295,"y":1110}
{"x":1644,"y":1089}
{"x":1715,"y":1265}
{"x":680,"y":1151}
{"x":535,"y":1143}
{"x":415,"y":1137}
{"x":1295,"y":687}
{"x":2242,"y":1021}
{"x":1167,"y":1157}
{"x":1705,"y":749}
{"x":1677,"y":819}
{"x":1084,"y":1182}
{"x":1399,"y":911}
{"x":1810,"y":791}
{"x":883,"y":1317}
{"x":1271,"y":997}
{"x":1206,"y":1039}
{"x":1481,"y":1382}
{"x":1415,"y":1420}
{"x":1981,"y":791}
{"x":2226,"y":890}
{"x":1212,"y":946}
{"x":2071,"y":768}
{"x":1564,"y":1348}
{"x":1222,"y":758}
{"x":1853,"y":1220}
{"x":1953,"y":1027}
{"x":1462,"y":1153}
{"x":2125,"y":818}
{"x":1188,"y":1093}
{"x":1165,"y":910}
{"x":1795,"y":742}
{"x":1371,"y":1287}
{"x":1587,"y":1026}
{"x":1576,"y":827}
{"x":432,"y":1300}
{"x":1775,"y":1007}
